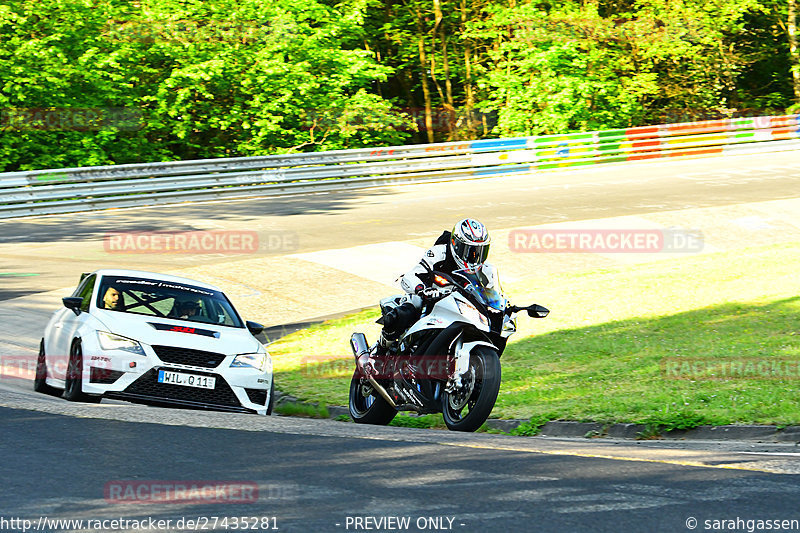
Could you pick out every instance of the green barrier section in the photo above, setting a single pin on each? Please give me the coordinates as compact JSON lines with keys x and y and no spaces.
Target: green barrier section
{"x":564,"y":138}
{"x":612,"y":133}
{"x":609,"y":147}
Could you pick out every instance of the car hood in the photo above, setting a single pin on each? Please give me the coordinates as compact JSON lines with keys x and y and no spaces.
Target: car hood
{"x":171,"y":332}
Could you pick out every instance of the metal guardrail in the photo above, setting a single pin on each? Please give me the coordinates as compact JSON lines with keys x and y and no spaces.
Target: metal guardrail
{"x":70,"y":190}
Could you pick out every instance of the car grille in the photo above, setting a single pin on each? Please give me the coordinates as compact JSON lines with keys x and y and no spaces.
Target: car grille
{"x":148,"y":385}
{"x":185,"y":356}
{"x":257,"y":396}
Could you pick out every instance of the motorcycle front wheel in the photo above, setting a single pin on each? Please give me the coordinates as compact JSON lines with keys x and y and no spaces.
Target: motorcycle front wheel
{"x":366,"y":405}
{"x":468,"y":407}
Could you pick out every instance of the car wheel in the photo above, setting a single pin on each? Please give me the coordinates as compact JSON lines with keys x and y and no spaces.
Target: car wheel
{"x":40,"y":379}
{"x":271,"y":402}
{"x":73,"y":389}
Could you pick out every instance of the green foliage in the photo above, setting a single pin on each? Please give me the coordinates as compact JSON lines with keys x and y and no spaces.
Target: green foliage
{"x":204,"y":79}
{"x":91,"y":82}
{"x":667,"y":420}
{"x":564,"y":67}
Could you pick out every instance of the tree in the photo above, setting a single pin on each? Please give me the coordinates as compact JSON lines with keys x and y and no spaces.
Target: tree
{"x":559,"y":67}
{"x":207,"y":79}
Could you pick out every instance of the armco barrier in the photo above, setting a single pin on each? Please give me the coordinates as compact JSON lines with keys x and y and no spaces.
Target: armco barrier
{"x":82,"y":189}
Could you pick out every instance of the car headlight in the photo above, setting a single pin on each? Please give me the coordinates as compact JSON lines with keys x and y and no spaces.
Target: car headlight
{"x":252,"y":360}
{"x":471,"y":312}
{"x":111,"y":341}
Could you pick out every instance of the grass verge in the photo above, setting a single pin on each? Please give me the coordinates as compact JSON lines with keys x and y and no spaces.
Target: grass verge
{"x":606,"y":352}
{"x":302,"y":409}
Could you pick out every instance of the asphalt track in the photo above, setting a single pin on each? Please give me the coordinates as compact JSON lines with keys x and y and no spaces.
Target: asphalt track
{"x":312,"y":475}
{"x":58,"y":248}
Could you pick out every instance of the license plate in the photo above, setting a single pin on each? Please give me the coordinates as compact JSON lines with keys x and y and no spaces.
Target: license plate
{"x":186,"y":380}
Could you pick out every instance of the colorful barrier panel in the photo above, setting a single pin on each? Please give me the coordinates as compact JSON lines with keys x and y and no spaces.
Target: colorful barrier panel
{"x":81,"y":189}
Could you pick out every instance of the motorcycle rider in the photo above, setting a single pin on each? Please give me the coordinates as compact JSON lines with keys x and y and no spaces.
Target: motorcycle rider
{"x":465,"y":247}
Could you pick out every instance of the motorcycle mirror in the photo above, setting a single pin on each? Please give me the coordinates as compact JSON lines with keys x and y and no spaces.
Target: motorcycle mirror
{"x":538,"y":311}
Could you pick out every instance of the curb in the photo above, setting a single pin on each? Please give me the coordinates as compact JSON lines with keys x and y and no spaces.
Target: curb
{"x":639,"y":431}
{"x":568,"y":429}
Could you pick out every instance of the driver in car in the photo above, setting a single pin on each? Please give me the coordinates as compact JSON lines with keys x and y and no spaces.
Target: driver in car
{"x":111,"y":299}
{"x":466,"y":247}
{"x":188,"y":309}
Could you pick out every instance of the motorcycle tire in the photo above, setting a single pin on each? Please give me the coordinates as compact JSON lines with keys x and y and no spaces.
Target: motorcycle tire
{"x":370,"y":409}
{"x":468,"y":410}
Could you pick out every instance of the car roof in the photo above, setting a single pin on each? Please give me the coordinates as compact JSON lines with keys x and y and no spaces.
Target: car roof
{"x":155,"y":276}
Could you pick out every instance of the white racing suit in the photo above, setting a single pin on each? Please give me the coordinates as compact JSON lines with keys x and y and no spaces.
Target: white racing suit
{"x":399,"y":313}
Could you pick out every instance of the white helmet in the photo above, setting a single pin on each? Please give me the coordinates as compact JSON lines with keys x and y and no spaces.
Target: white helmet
{"x":469,"y":243}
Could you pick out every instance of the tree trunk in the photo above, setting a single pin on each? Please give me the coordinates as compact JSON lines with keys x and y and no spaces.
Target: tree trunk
{"x":426,"y":91}
{"x":447,"y":98}
{"x":469,"y":97}
{"x":469,"y":100}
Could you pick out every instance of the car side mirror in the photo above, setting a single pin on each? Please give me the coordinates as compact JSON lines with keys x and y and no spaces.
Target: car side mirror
{"x":73,"y":302}
{"x":538,"y":311}
{"x":254,"y":327}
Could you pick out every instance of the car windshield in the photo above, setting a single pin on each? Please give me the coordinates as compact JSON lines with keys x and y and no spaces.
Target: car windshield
{"x":482,"y":289}
{"x":166,"y":299}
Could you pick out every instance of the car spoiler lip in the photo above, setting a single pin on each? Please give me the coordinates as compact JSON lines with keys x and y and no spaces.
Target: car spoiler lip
{"x":161,"y":400}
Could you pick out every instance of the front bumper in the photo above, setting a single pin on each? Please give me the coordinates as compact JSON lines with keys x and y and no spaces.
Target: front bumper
{"x":236,"y":389}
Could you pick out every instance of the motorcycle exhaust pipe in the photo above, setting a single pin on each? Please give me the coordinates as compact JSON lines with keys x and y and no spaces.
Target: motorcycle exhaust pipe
{"x":377,"y":386}
{"x":358,"y":343}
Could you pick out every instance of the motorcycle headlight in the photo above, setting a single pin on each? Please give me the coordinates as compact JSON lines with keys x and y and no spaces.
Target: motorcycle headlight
{"x":250,"y":360}
{"x":111,"y":341}
{"x":471,"y":312}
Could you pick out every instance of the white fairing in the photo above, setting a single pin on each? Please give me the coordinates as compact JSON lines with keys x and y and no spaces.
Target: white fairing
{"x":225,"y":342}
{"x":445,"y":312}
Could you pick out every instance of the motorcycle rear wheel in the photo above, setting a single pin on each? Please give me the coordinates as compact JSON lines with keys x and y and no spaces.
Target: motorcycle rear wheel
{"x":468,"y":408}
{"x":368,"y":407}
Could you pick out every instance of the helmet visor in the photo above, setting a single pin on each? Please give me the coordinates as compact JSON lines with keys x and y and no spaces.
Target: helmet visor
{"x":471,"y":254}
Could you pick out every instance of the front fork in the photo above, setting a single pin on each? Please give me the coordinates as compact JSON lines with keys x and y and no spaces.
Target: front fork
{"x":461,"y":355}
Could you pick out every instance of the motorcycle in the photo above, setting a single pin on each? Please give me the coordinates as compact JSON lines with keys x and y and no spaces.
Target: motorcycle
{"x":447,"y":362}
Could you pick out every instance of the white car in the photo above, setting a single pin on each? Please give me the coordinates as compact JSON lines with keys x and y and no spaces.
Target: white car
{"x":154,"y":338}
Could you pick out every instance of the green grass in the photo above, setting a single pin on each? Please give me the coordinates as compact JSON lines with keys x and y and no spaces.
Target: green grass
{"x":600,"y":354}
{"x":424,"y":421}
{"x":302,"y":409}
